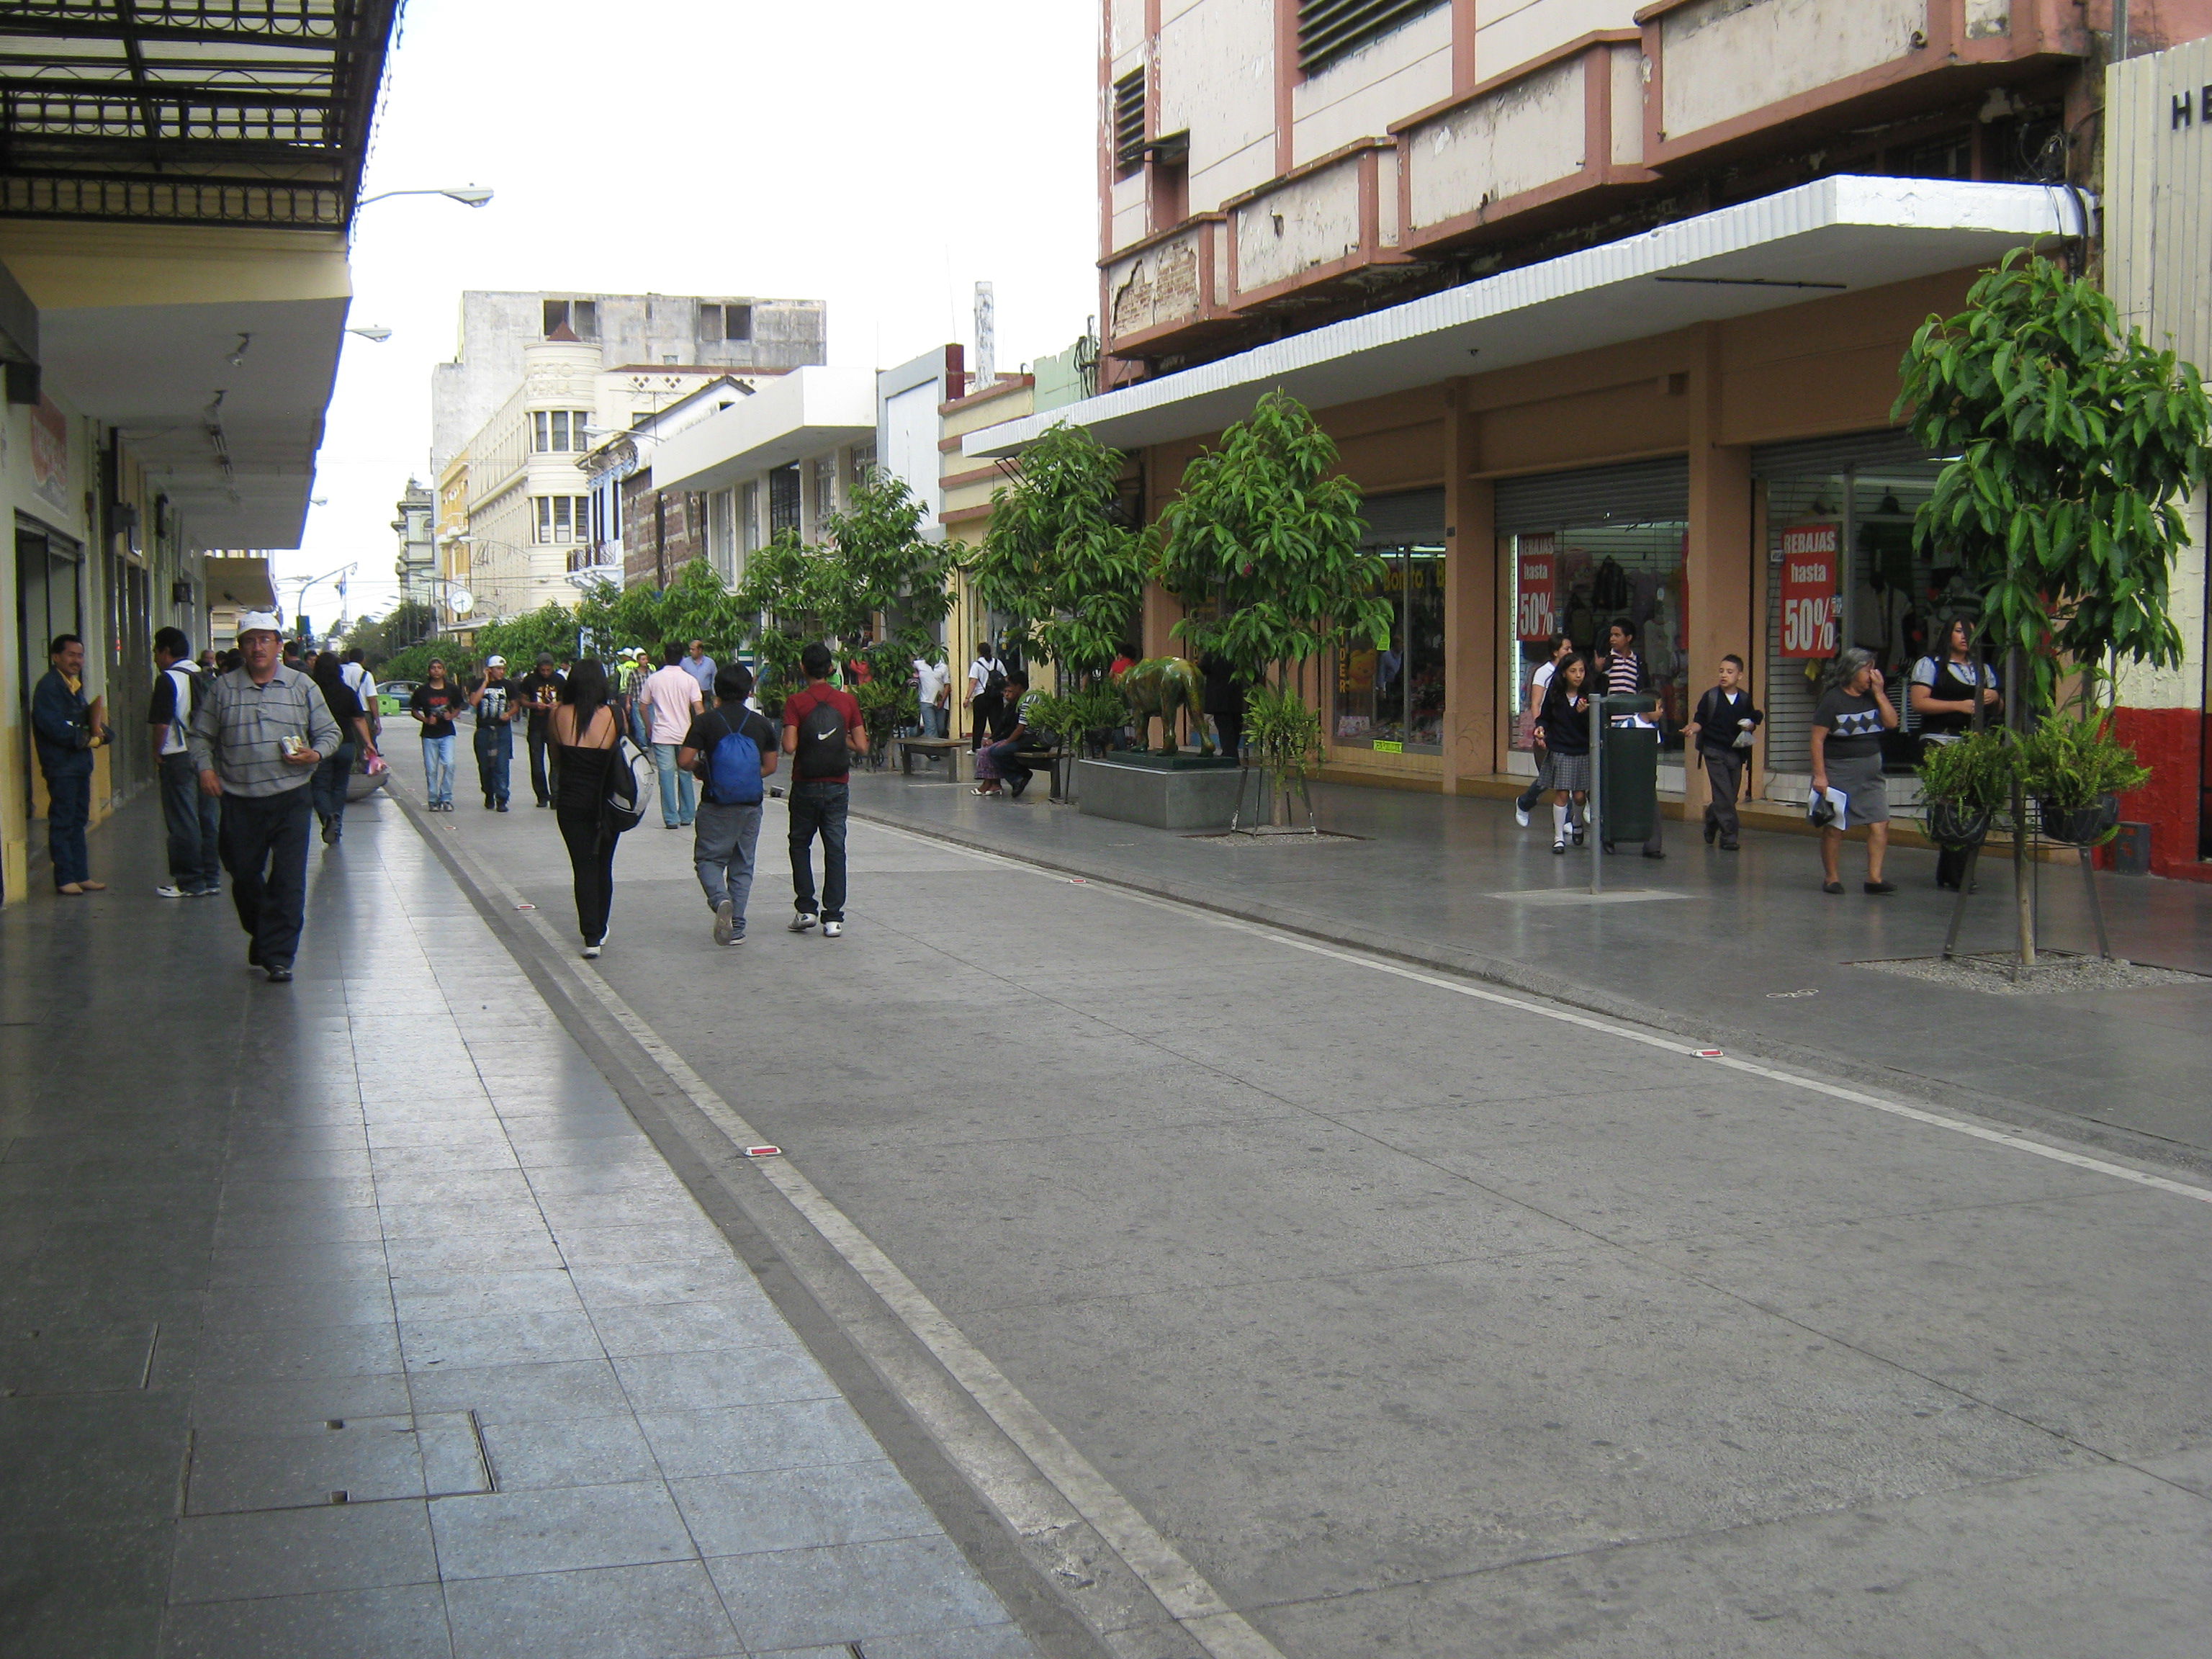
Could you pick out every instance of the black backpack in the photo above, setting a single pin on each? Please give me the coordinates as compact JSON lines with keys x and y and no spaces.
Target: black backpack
{"x":820,"y":744}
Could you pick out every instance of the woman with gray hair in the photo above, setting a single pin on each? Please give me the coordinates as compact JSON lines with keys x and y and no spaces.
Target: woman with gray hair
{"x":1847,"y":728}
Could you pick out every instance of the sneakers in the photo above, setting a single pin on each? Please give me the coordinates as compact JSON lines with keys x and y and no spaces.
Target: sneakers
{"x":1519,"y":814}
{"x":330,"y":835}
{"x":501,"y":807}
{"x":833,"y":930}
{"x":802,"y":921}
{"x":171,"y":892}
{"x":203,"y":892}
{"x":726,"y":922}
{"x":280,"y":973}
{"x":591,"y":948}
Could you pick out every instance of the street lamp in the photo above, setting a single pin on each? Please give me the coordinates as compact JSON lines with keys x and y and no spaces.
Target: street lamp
{"x":374,"y":332}
{"x":466,"y":195}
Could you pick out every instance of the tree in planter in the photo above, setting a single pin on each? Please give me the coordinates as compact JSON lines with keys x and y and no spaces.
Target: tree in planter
{"x":2075,"y":447}
{"x":1266,"y":529}
{"x":778,"y":602}
{"x":1060,"y":558}
{"x":880,"y":578}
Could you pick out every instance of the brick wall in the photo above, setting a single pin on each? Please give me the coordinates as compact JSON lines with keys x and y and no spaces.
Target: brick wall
{"x":662,"y":531}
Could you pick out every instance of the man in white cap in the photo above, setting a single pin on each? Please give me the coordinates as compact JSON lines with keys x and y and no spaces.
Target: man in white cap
{"x":493,"y":699}
{"x":256,"y":740}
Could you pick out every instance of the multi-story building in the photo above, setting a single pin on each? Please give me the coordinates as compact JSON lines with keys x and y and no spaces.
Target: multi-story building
{"x":641,"y":533}
{"x":174,"y":204}
{"x":415,"y":526}
{"x":625,"y":330}
{"x":1603,"y":305}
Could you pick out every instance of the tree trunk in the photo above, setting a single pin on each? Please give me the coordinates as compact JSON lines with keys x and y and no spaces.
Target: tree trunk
{"x":2022,"y":891}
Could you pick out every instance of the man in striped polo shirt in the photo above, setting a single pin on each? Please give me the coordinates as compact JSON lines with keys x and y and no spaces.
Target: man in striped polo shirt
{"x":256,"y":740}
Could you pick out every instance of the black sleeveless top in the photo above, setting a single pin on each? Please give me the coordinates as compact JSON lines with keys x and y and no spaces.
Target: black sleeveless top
{"x":1952,"y":685}
{"x":582,"y":782}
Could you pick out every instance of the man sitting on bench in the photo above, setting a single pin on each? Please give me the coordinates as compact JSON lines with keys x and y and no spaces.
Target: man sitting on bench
{"x":998,"y":759}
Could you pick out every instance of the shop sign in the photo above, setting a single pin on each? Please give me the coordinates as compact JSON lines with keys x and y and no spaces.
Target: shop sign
{"x":1536,"y":608}
{"x":1811,"y":604}
{"x":49,"y":454}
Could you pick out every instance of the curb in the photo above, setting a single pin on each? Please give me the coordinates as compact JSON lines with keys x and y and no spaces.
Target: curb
{"x":1512,"y":975}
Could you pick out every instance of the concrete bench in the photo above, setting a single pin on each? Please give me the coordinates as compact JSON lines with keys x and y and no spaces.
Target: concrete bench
{"x":946,"y":749}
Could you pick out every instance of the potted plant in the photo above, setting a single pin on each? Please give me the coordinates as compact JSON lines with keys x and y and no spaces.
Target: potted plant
{"x":2075,"y":770}
{"x":1964,"y":783}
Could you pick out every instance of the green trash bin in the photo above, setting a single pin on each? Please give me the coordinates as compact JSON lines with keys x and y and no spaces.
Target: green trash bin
{"x":1629,"y":790}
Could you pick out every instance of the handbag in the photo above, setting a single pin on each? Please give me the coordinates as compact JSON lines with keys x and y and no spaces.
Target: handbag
{"x":630,"y":779}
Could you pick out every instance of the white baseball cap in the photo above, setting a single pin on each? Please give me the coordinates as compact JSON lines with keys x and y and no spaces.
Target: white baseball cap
{"x":258,"y":621}
{"x":494,"y":662}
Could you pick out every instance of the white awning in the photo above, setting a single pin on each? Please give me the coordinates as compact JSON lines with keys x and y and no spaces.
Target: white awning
{"x":794,"y":415}
{"x":1832,"y":235}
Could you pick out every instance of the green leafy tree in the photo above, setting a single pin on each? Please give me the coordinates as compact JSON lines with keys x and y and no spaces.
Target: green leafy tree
{"x":1262,"y":546}
{"x":1268,"y":531}
{"x":1059,"y":558}
{"x":880,"y":578}
{"x":2075,"y":447}
{"x":778,"y":600}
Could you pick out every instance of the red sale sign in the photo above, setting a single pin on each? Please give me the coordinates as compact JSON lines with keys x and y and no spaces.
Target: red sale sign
{"x":1536,"y":589}
{"x":1811,"y":606}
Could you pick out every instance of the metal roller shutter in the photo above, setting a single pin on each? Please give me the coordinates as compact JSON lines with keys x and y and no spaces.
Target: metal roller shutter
{"x":1409,"y":517}
{"x":1639,"y":492}
{"x":1811,"y":457}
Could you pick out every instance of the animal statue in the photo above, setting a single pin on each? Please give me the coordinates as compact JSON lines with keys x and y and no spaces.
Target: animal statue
{"x":1165,"y":686}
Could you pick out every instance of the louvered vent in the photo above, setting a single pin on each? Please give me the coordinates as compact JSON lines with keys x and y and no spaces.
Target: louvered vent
{"x":1328,"y":29}
{"x":1129,"y":121}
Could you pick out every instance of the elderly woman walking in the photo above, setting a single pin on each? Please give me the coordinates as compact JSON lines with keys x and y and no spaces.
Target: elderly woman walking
{"x":1847,"y":728}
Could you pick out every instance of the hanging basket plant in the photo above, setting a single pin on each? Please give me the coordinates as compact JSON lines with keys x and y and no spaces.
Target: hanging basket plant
{"x":1965,"y":782}
{"x":2075,"y":770}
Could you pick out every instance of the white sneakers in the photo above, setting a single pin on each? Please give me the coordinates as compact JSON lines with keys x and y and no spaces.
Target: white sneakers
{"x":171,"y":892}
{"x":592,"y":950}
{"x":1519,"y":814}
{"x":726,"y":922}
{"x":802,"y":921}
{"x":833,"y":930}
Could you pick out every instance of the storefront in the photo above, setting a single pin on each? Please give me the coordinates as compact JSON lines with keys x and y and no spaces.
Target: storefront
{"x":1584,"y":549}
{"x":1390,"y":699}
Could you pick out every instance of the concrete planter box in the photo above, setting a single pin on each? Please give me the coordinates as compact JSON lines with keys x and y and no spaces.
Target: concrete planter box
{"x":1189,"y":794}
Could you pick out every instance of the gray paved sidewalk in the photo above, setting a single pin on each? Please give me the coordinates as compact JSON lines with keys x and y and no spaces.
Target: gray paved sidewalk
{"x":358,"y":1317}
{"x":1742,"y":945}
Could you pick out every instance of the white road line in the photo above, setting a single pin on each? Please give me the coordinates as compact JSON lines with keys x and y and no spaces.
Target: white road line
{"x":1589,"y":1021}
{"x":1181,"y":1588}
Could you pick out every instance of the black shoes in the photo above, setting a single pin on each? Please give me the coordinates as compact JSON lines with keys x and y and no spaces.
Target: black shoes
{"x":1653,"y":853}
{"x":1832,"y":887}
{"x":1878,"y":888}
{"x":280,"y":973}
{"x":502,"y":806}
{"x":1712,"y":832}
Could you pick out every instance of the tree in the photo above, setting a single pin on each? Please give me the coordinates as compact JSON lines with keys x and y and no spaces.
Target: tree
{"x":1060,"y":557}
{"x":1268,"y":530}
{"x":380,"y":638}
{"x":2074,"y":447}
{"x":880,"y":576}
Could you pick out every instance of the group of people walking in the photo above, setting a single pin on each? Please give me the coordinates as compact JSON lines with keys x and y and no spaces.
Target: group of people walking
{"x":1849,"y":784}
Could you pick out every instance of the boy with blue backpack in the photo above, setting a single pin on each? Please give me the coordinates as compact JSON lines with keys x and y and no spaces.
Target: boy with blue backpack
{"x":731,"y":750}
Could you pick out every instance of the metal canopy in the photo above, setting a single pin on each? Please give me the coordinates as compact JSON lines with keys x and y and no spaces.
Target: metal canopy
{"x":189,"y":111}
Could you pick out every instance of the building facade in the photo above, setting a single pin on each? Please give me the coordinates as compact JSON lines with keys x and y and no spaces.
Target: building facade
{"x":1603,"y":308}
{"x":168,"y":343}
{"x":624,"y":330}
{"x":416,"y":566}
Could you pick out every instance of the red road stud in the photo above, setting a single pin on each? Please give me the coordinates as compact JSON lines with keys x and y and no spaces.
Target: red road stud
{"x":1709,"y":1054}
{"x":763,"y":1152}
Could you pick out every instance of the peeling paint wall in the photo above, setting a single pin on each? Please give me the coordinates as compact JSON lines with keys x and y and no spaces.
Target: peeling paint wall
{"x":1510,"y":33}
{"x":1217,"y":82}
{"x":1725,"y":57}
{"x":1306,"y":222}
{"x":1524,"y":135}
{"x":1159,"y":285}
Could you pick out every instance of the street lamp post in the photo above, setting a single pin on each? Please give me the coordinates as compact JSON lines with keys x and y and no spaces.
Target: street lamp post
{"x":466,"y":195}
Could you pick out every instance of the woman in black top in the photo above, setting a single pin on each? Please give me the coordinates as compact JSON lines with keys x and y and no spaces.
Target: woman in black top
{"x":1945,"y":687}
{"x":584,"y":730}
{"x":1563,"y":729}
{"x":335,"y":771}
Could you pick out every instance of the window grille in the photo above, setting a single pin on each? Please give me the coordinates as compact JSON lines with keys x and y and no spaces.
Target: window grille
{"x":1129,"y":121}
{"x":1329,"y":29}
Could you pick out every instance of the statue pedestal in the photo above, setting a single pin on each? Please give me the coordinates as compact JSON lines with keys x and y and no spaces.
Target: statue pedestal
{"x":1169,"y":791}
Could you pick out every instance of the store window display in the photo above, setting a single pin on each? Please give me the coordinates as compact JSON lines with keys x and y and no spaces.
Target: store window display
{"x":1390,"y":698}
{"x":1580,"y":580}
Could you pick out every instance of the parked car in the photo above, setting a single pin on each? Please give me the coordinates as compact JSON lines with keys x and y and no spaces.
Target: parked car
{"x":391,"y":697}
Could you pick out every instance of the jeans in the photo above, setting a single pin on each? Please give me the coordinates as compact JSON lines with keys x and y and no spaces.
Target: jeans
{"x":265,"y":847}
{"x":536,"y":737}
{"x":1538,"y":785}
{"x":438,"y":764}
{"x":195,"y":822}
{"x":1724,"y":770}
{"x":69,"y":808}
{"x":936,"y":722}
{"x":723,"y":853}
{"x":592,"y":860}
{"x":679,"y":791}
{"x":639,"y":733}
{"x":1003,"y":761}
{"x":332,"y":774}
{"x":494,"y":753}
{"x":817,"y":806}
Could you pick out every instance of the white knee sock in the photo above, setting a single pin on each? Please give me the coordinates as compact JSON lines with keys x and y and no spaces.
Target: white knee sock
{"x":1559,"y":821}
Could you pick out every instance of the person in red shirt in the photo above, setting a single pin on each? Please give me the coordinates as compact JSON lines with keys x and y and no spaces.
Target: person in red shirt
{"x":822,"y":729}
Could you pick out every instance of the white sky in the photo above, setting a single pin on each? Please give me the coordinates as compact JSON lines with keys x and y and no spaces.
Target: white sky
{"x":883,"y":156}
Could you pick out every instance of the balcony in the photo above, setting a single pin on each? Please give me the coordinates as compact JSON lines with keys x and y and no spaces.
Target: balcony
{"x":591,"y":561}
{"x":1725,"y":73}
